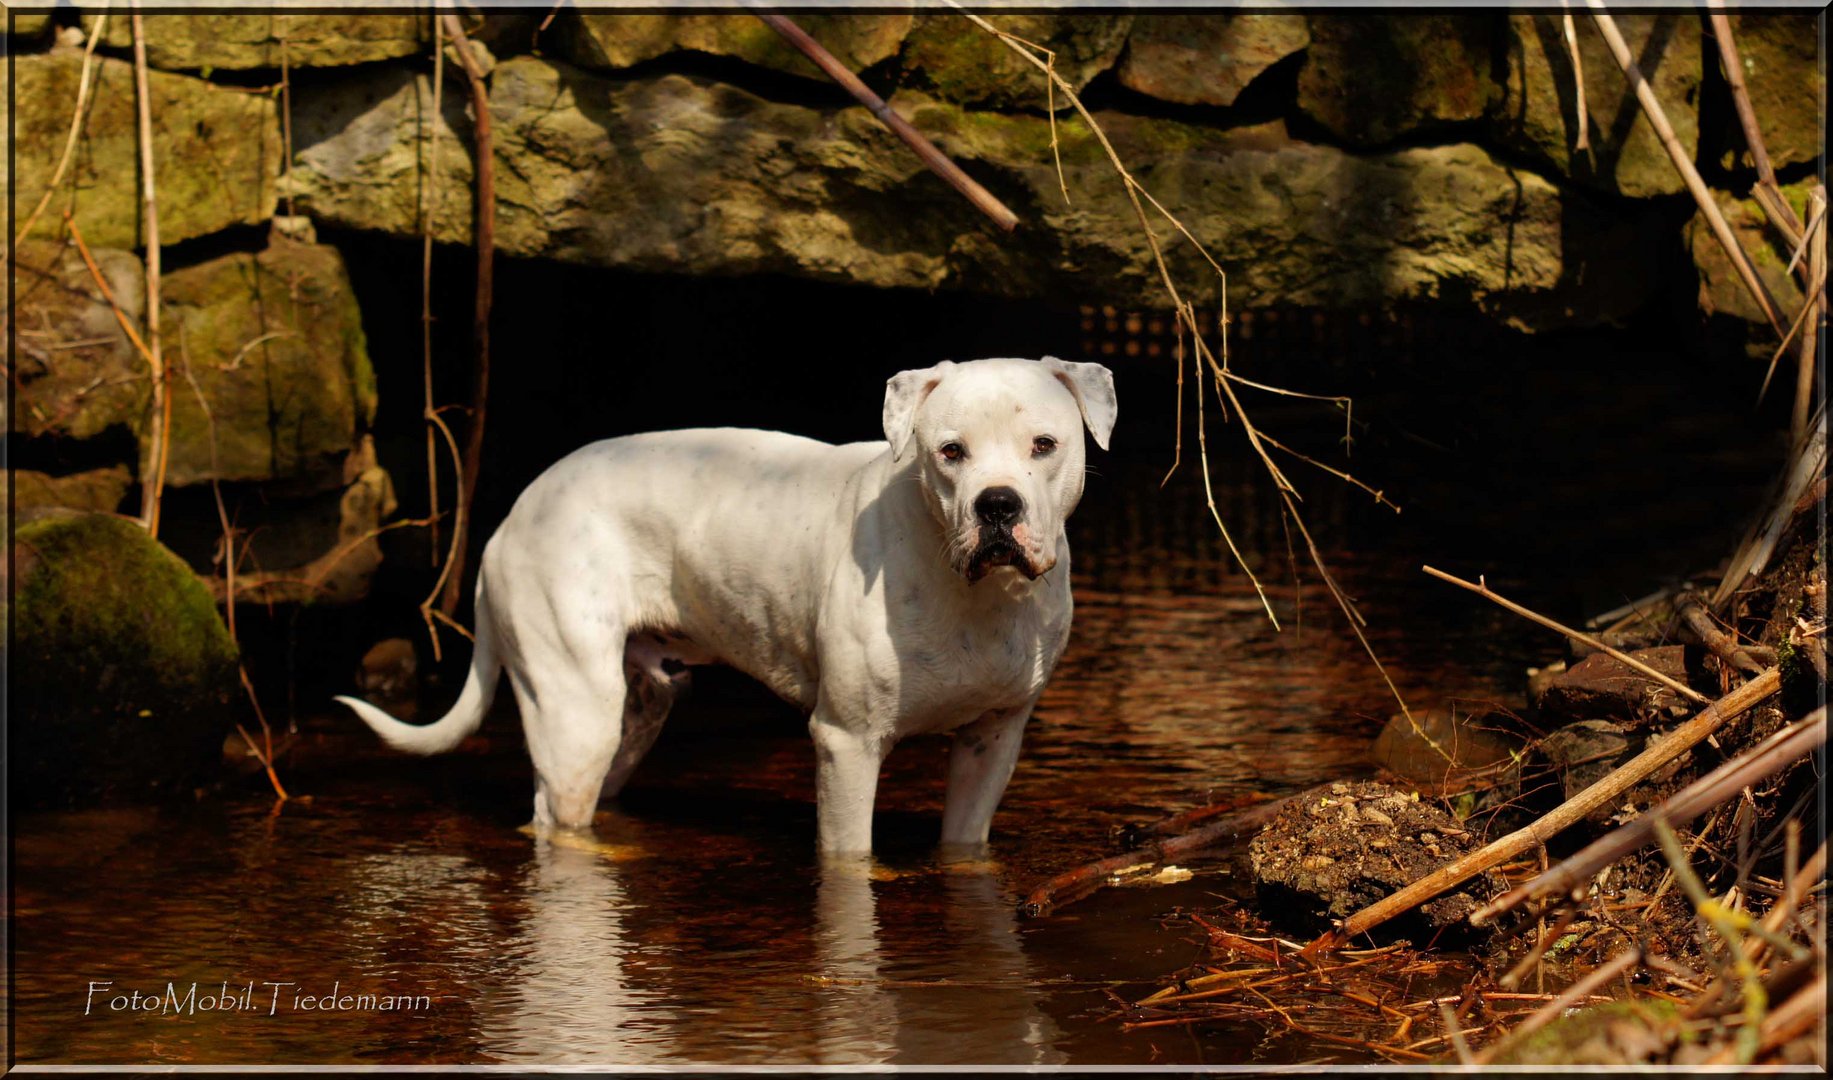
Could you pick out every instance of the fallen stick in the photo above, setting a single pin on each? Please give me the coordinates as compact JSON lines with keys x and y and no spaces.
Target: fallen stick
{"x":1698,"y":618}
{"x":1658,"y":753}
{"x":1813,"y":335}
{"x":938,"y":162}
{"x":1683,"y":163}
{"x":1483,"y":590}
{"x":1067,"y":888}
{"x":1762,"y":761}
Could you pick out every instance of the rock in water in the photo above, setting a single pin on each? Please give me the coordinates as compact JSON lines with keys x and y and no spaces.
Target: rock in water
{"x":123,"y":675}
{"x":1330,"y":855}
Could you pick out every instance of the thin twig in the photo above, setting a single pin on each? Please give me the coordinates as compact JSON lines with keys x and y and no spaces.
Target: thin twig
{"x":1483,"y":590}
{"x":485,"y":239}
{"x":1816,"y":282}
{"x":1583,"y":139}
{"x":429,"y":208}
{"x":938,"y":162}
{"x":83,"y":86}
{"x":159,"y":435}
{"x":1697,"y":617}
{"x":1683,"y":163}
{"x":1814,"y":335}
{"x":1747,"y":117}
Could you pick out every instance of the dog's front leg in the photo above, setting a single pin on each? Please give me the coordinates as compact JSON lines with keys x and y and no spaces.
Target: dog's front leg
{"x":979,"y":764}
{"x":846,"y":782}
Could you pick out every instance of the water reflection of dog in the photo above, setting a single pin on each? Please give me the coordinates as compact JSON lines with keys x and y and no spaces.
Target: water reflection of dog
{"x":973,"y":1004}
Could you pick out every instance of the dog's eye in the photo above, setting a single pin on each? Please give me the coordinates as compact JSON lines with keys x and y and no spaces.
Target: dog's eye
{"x":953,"y":451}
{"x":1042,"y":445}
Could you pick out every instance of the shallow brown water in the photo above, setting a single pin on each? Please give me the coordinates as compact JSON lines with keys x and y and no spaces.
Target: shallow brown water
{"x":703,"y":931}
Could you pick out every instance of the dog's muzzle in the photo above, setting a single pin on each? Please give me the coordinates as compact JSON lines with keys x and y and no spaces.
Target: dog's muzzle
{"x":999,"y":510}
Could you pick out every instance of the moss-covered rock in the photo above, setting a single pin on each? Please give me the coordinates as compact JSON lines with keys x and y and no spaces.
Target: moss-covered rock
{"x":960,"y":62}
{"x":680,"y":175}
{"x":1788,"y":89}
{"x":98,"y":490}
{"x":76,"y":372}
{"x":216,"y":150}
{"x":1206,"y":59}
{"x":611,"y":41}
{"x":249,"y":39}
{"x":1538,"y":114}
{"x":1372,"y":79}
{"x":1721,"y":290}
{"x":123,"y":676}
{"x":275,"y":343}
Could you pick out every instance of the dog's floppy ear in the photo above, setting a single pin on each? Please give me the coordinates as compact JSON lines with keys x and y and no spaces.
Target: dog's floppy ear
{"x":903,"y":393}
{"x":1093,"y":387}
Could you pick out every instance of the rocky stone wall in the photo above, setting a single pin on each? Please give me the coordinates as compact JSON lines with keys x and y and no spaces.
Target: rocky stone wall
{"x":1327,"y":160}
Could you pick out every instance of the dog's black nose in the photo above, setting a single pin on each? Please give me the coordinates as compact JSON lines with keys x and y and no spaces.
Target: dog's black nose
{"x":998,"y":506}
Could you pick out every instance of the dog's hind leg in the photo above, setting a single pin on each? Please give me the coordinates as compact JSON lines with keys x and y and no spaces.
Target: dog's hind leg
{"x":572,"y":712}
{"x":651,"y":691}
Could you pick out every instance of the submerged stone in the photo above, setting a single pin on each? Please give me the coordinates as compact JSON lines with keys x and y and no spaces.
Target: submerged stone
{"x":1206,"y":59}
{"x":682,"y":175}
{"x":123,"y":676}
{"x":217,"y":150}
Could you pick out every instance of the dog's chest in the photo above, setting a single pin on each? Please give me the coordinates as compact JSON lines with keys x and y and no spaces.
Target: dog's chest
{"x":951,"y":674}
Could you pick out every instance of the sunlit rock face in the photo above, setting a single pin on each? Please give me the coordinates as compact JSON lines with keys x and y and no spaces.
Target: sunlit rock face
{"x":1206,"y":59}
{"x":683,"y":175}
{"x":241,"y":40}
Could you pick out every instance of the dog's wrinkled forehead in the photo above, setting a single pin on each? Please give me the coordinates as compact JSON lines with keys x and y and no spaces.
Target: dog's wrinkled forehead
{"x":1000,"y":391}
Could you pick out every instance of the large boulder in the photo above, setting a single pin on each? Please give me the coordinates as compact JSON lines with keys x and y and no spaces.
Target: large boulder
{"x":76,"y":373}
{"x":275,"y":343}
{"x":123,"y":677}
{"x":1206,"y":59}
{"x":255,"y":39}
{"x":1372,"y":79}
{"x":612,"y":41}
{"x":959,"y":61}
{"x":1538,"y":113}
{"x":1788,"y":88}
{"x":680,"y":175}
{"x":217,"y":150}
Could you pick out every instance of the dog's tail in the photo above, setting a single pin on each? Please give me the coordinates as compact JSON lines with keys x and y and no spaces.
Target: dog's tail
{"x":473,"y":702}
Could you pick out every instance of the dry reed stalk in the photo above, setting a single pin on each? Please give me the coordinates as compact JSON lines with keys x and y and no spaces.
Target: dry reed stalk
{"x":938,"y":162}
{"x":1683,"y":163}
{"x":429,"y":209}
{"x":1775,"y":207}
{"x":1222,"y":378}
{"x":264,"y":756}
{"x":485,"y":238}
{"x":1483,"y":590}
{"x":1803,"y":317}
{"x":1570,"y":28}
{"x":159,"y":434}
{"x":1658,"y":753}
{"x":1764,"y":760}
{"x":1815,"y":333}
{"x":84,"y":85}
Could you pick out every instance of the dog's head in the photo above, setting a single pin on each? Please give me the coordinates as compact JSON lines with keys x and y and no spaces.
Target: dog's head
{"x":999,"y":452}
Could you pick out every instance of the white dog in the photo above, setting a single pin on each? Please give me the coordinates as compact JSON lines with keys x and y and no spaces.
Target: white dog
{"x":887,"y":590}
